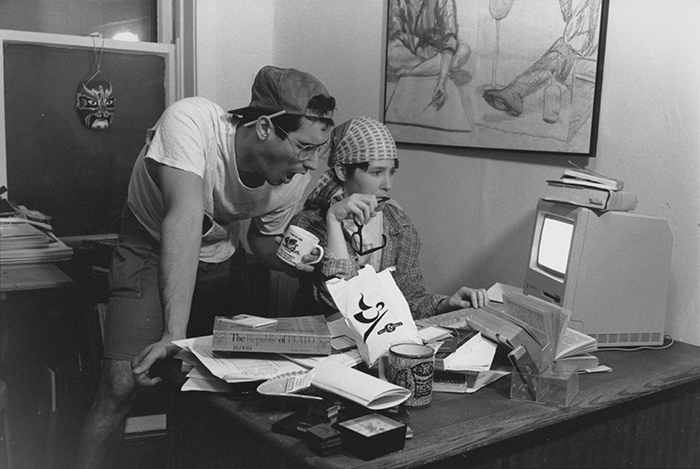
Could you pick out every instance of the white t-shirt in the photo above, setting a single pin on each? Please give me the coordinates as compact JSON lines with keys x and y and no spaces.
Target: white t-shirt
{"x":196,"y":135}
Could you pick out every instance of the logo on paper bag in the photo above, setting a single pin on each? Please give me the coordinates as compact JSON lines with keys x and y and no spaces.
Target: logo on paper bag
{"x":372,"y":315}
{"x":390,"y":327}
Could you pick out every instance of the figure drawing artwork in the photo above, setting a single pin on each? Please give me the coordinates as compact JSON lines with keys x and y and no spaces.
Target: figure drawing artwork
{"x":521,"y":75}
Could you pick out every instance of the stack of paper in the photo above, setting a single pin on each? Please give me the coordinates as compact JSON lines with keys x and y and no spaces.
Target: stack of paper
{"x":586,"y":177}
{"x":16,"y":235}
{"x":212,"y":372}
{"x":21,"y":242}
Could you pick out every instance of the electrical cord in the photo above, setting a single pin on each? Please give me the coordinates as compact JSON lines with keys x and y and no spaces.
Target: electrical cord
{"x":646,"y":347}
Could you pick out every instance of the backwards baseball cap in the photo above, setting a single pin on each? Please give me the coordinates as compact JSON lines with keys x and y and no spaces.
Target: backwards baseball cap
{"x":288,"y":91}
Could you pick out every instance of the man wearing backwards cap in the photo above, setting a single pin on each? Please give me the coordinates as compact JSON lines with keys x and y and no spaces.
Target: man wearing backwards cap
{"x":202,"y":172}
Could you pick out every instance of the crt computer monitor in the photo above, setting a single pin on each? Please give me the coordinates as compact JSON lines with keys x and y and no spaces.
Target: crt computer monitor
{"x":611,"y":269}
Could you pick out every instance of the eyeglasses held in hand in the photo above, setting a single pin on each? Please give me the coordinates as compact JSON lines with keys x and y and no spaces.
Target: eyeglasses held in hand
{"x":305,"y":151}
{"x":356,"y":241}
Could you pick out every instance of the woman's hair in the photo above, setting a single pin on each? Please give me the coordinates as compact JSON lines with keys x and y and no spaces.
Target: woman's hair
{"x":350,"y":168}
{"x":354,"y":144}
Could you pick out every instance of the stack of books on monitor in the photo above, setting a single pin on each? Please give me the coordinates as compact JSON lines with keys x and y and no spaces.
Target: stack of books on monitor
{"x":586,"y":188}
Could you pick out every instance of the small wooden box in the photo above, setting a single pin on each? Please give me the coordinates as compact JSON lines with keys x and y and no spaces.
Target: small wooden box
{"x":372,"y":435}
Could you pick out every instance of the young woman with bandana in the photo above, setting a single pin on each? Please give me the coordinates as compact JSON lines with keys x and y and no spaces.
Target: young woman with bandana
{"x":357,"y":224}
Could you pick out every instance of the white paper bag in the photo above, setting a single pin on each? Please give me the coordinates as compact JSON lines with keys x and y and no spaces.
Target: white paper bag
{"x":376,"y":312}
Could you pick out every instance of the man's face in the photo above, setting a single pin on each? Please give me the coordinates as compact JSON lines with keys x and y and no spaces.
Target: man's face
{"x":95,"y":104}
{"x":282,"y":163}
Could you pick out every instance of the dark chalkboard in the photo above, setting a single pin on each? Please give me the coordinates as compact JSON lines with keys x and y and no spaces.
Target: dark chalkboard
{"x":55,"y":165}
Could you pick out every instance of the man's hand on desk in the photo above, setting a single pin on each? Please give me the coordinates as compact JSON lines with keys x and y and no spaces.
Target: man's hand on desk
{"x":141,"y":365}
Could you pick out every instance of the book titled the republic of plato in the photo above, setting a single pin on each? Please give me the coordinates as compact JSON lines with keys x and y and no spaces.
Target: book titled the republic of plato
{"x":307,"y":335}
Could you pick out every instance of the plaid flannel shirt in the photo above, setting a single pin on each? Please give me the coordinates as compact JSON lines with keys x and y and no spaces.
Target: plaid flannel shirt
{"x":402,"y":251}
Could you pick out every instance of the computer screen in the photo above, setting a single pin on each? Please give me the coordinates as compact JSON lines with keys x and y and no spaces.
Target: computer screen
{"x":555,"y":244}
{"x":611,"y":269}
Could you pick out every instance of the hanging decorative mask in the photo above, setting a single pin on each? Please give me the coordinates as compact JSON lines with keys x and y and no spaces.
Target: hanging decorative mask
{"x":95,"y":99}
{"x":95,"y":103}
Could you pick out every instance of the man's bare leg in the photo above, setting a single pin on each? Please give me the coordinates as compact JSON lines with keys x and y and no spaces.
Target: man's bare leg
{"x":103,"y":431}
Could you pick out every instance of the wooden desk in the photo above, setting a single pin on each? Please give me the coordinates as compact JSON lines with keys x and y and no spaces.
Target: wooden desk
{"x":31,"y":277}
{"x":28,"y":294}
{"x":17,"y":292}
{"x":646,"y":413}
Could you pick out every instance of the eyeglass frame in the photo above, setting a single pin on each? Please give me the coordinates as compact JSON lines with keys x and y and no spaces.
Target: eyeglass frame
{"x":311,"y":148}
{"x":358,"y":233}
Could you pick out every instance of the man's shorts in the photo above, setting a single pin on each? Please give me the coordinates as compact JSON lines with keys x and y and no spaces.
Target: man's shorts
{"x":134,"y":317}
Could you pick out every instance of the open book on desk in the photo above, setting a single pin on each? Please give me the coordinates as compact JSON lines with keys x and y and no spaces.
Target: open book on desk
{"x":573,"y":343}
{"x":549,"y":324}
{"x":492,"y":323}
{"x":540,"y":327}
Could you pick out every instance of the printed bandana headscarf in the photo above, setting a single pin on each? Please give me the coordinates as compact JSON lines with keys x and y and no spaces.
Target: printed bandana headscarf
{"x":358,"y":140}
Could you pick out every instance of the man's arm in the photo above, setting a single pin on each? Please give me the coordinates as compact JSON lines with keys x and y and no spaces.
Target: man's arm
{"x":181,"y":237}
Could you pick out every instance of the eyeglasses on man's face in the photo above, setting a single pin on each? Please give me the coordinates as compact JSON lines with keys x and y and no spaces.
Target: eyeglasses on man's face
{"x":356,"y":241}
{"x":305,"y":151}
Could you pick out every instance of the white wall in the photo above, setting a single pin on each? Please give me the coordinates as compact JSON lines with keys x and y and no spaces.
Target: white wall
{"x":340,"y":42}
{"x":234,"y":40}
{"x":474,"y":208}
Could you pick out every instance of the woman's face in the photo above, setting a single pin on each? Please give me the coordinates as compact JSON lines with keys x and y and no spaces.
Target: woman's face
{"x":377,"y":180}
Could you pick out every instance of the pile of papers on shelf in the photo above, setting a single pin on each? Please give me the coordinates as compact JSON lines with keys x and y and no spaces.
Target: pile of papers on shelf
{"x":27,"y":238}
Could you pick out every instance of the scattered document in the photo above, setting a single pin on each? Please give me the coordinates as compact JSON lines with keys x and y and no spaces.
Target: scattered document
{"x":433,"y":334}
{"x":193,"y":384}
{"x":475,"y":355}
{"x":23,"y":243}
{"x":342,"y":343}
{"x":359,"y":387}
{"x":244,"y":367}
{"x":201,"y":379}
{"x":347,"y":358}
{"x":344,"y":381}
{"x":495,"y":293}
{"x":466,"y":382}
{"x":338,"y":327}
{"x":597,"y":369}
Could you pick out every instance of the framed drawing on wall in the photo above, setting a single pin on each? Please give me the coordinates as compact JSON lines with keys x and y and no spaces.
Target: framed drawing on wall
{"x":520,"y":75}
